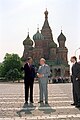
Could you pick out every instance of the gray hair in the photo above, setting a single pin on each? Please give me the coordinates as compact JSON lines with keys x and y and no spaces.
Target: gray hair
{"x":43,"y":59}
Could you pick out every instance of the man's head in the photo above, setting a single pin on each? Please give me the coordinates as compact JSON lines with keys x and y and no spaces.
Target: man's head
{"x":30,"y":60}
{"x":73,"y":59}
{"x":42,"y":61}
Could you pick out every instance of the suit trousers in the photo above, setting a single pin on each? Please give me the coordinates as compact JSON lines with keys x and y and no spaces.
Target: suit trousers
{"x":76,"y":91}
{"x":43,"y":90}
{"x":29,"y":86}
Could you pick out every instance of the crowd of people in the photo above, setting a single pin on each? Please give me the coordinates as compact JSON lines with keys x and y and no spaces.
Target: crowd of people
{"x":60,"y":80}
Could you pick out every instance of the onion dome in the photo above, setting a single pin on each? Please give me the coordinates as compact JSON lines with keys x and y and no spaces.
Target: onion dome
{"x":28,"y":41}
{"x":38,"y":36}
{"x":53,"y":45}
{"x":61,"y":37}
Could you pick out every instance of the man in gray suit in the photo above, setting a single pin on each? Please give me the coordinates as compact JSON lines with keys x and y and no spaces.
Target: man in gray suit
{"x":43,"y":74}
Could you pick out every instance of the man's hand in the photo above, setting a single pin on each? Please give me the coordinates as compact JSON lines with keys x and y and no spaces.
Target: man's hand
{"x":39,"y":75}
{"x":76,"y":78}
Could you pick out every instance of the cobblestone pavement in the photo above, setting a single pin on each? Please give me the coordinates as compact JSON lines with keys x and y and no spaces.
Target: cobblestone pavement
{"x":12,"y":105}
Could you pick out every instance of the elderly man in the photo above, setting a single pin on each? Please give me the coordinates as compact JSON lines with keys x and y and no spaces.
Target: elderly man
{"x":43,"y":74}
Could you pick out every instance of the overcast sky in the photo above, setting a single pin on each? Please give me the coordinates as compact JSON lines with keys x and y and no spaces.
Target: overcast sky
{"x":16,"y":16}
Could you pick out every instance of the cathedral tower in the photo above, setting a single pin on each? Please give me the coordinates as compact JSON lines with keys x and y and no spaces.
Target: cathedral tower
{"x":28,"y":46}
{"x":48,"y":38}
{"x":62,"y":50}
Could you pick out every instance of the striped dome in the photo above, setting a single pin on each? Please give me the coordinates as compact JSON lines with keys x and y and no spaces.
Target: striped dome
{"x":38,"y":36}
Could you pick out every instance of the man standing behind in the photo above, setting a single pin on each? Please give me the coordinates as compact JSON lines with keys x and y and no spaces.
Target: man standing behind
{"x":29,"y":79}
{"x":76,"y":81}
{"x":43,"y":74}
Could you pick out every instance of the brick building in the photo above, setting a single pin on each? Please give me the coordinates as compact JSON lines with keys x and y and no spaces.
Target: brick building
{"x":45,"y":47}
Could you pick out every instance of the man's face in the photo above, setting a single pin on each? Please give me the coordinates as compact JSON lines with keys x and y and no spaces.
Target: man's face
{"x":30,"y":61}
{"x":72,"y":60}
{"x":41,"y":62}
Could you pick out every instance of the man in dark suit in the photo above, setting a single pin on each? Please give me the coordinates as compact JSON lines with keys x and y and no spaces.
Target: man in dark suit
{"x":76,"y":81}
{"x":29,"y":76}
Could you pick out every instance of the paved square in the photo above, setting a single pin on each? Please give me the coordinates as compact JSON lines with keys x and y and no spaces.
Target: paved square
{"x":12,"y":105}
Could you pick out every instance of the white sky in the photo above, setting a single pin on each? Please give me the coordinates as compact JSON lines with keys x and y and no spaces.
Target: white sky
{"x":16,"y":16}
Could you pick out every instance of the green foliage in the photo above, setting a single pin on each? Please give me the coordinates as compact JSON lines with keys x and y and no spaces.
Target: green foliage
{"x":12,"y":74}
{"x":1,"y":69}
{"x":11,"y":67}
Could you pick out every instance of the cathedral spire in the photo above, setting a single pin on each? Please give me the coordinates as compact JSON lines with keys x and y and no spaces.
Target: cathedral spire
{"x":46,"y":30}
{"x":46,"y":14}
{"x":28,"y":33}
{"x":38,"y":28}
{"x":61,"y":29}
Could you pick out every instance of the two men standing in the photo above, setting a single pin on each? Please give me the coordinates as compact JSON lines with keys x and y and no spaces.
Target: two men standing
{"x":43,"y":73}
{"x":76,"y":81}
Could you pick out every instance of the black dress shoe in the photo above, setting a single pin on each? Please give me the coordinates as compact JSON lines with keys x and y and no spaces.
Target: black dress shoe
{"x":78,"y":105}
{"x":26,"y":102}
{"x":46,"y":102}
{"x":40,"y":102}
{"x":73,"y":104}
{"x":31,"y":102}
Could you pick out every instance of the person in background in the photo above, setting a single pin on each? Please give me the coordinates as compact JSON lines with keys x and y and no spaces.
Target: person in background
{"x":75,"y":78}
{"x":43,"y":74}
{"x":79,"y":59}
{"x":29,"y":76}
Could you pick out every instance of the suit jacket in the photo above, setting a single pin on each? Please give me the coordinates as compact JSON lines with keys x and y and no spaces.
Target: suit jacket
{"x":29,"y":72}
{"x":76,"y":70}
{"x":45,"y":70}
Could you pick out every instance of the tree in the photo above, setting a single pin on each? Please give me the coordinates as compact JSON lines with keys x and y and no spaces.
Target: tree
{"x":12,"y":74}
{"x":11,"y":67}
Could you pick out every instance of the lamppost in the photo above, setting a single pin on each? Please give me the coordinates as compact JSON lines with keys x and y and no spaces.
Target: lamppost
{"x":76,"y":51}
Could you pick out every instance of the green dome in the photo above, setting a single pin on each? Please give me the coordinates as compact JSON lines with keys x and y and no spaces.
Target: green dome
{"x":52,"y":45}
{"x":38,"y":36}
{"x":61,"y":37}
{"x":28,"y":41}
